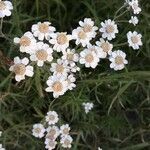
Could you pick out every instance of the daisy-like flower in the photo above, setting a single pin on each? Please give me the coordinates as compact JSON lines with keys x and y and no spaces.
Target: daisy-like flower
{"x":134,"y":40}
{"x":99,"y":148}
{"x":88,"y":27}
{"x":21,"y":68}
{"x":43,"y":30}
{"x":104,"y":48}
{"x":27,"y":42}
{"x":5,"y":8}
{"x":52,"y":117}
{"x":64,"y":129}
{"x":134,"y":20}
{"x":74,"y":68}
{"x":60,"y":40}
{"x":66,"y":141}
{"x":71,"y":79}
{"x":57,"y":85}
{"x":50,"y":144}
{"x":52,"y":132}
{"x":38,"y":130}
{"x":81,"y":37}
{"x":134,"y":4}
{"x":108,"y":29}
{"x":60,"y":68}
{"x":41,"y":54}
{"x":118,"y":60}
{"x":89,"y":58}
{"x":87,"y":107}
{"x":70,"y":56}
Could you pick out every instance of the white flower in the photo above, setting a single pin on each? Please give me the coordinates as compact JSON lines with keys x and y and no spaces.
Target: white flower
{"x":27,"y":42}
{"x":89,"y":58}
{"x":134,"y":20}
{"x":109,"y":29}
{"x":21,"y":68}
{"x":70,"y":80}
{"x":87,"y":107}
{"x":88,"y":27}
{"x":50,"y":144}
{"x":52,"y":117}
{"x":57,"y":85}
{"x":70,"y":56}
{"x":60,"y":68}
{"x":41,"y":54}
{"x":134,"y":4}
{"x":118,"y":60}
{"x":64,"y":129}
{"x":81,"y":37}
{"x":43,"y":30}
{"x":134,"y":40}
{"x":99,"y":148}
{"x":104,"y":48}
{"x":66,"y":141}
{"x":60,"y":40}
{"x":1,"y":147}
{"x":38,"y":130}
{"x":52,"y":132}
{"x":5,"y":8}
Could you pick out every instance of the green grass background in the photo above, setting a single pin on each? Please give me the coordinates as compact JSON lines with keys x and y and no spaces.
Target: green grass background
{"x":120,"y":119}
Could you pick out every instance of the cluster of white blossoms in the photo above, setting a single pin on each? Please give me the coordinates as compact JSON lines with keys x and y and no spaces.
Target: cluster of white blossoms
{"x":1,"y":146}
{"x":47,"y":47}
{"x":87,"y":107}
{"x":5,"y":8}
{"x":52,"y":132}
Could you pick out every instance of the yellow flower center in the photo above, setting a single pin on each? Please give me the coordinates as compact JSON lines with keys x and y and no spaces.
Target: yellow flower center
{"x":19,"y":69}
{"x":110,"y":29}
{"x":57,"y":86}
{"x":42,"y":55}
{"x":119,"y":60}
{"x":70,"y":56}
{"x":87,"y":28}
{"x":37,"y":130}
{"x":43,"y":28}
{"x":59,"y":68}
{"x":62,"y":39}
{"x":51,"y":117}
{"x":105,"y":46}
{"x":89,"y":58}
{"x":25,"y":41}
{"x":82,"y":35}
{"x":2,"y":5}
{"x":66,"y":131}
{"x":51,"y":143}
{"x":135,"y":39}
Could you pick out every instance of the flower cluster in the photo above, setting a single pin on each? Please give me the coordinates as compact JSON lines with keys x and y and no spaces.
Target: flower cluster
{"x":46,"y":47}
{"x":5,"y":8}
{"x":52,"y":132}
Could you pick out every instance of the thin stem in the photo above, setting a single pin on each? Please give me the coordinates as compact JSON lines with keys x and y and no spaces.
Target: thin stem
{"x":1,"y":27}
{"x":120,"y":15}
{"x":121,"y":44}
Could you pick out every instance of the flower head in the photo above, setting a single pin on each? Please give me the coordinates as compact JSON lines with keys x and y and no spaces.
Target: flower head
{"x":109,"y":29}
{"x":134,"y":20}
{"x":21,"y":68}
{"x":43,"y":30}
{"x":66,"y":141}
{"x":87,"y":107}
{"x":134,"y":40}
{"x":60,"y":40}
{"x":5,"y":8}
{"x":27,"y":42}
{"x":52,"y":132}
{"x":118,"y":60}
{"x":41,"y":54}
{"x":134,"y":4}
{"x":89,"y":58}
{"x":50,"y":144}
{"x":38,"y":130}
{"x":52,"y":117}
{"x":64,"y":129}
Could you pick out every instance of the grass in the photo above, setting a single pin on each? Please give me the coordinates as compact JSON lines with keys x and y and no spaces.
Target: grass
{"x":120,"y":118}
